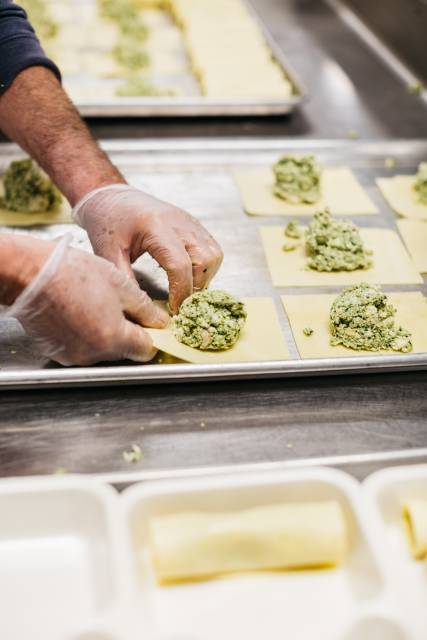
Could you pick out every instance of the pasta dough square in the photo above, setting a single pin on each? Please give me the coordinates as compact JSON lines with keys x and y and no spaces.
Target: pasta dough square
{"x":313,"y":311}
{"x":16,"y":219}
{"x":414,"y":234}
{"x":392,"y":264}
{"x":341,"y":192}
{"x":261,"y":339}
{"x":400,"y":195}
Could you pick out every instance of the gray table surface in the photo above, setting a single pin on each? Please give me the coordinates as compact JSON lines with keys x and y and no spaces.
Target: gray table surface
{"x":218,"y":423}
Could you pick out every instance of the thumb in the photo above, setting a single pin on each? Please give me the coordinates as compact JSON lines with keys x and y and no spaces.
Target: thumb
{"x":140,"y":307}
{"x":135,"y":343}
{"x":113,"y":253}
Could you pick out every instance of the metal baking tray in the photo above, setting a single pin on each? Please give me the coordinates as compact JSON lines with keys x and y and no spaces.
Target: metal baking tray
{"x":196,"y":175}
{"x":199,"y":105}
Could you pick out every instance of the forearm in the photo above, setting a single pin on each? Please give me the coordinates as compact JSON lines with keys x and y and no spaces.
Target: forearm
{"x":36,"y":113}
{"x":21,"y":258}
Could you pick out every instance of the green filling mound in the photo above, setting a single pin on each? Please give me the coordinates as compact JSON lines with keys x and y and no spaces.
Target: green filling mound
{"x":138,"y":86}
{"x":129,"y":54}
{"x":127,"y":17}
{"x":421,"y":183}
{"x":297,"y":179}
{"x":334,"y":245}
{"x":133,"y":32}
{"x":209,"y":320}
{"x":28,"y":189}
{"x":38,"y":13}
{"x":361,"y":318}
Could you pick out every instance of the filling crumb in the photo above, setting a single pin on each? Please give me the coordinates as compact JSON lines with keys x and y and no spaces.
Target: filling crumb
{"x":421,"y":183}
{"x":292,"y":230}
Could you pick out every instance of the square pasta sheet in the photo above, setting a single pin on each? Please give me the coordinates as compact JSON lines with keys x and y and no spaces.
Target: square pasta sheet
{"x":391,"y":263}
{"x":340,"y":191}
{"x":313,"y":311}
{"x":16,"y":219}
{"x":400,"y":195}
{"x":261,"y":339}
{"x":414,"y":234}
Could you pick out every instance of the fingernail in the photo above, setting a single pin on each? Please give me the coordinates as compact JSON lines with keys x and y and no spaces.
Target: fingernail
{"x":171,"y":308}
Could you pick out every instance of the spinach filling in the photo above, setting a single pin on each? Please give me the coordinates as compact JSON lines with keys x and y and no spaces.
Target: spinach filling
{"x":334,"y":245}
{"x":209,"y":320}
{"x":421,"y":183}
{"x":297,"y":179}
{"x":362,"y":318}
{"x":28,"y":189}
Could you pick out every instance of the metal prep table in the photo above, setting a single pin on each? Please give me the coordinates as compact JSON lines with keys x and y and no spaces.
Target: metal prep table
{"x":223,"y":423}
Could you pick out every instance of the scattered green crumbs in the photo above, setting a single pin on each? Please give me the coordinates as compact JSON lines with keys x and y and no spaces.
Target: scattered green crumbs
{"x":289,"y":246}
{"x":292,"y":230}
{"x":297,"y":179}
{"x":421,"y":183}
{"x":308,"y":331}
{"x":133,"y":455}
{"x":28,"y":189}
{"x":60,"y":471}
{"x":209,"y":320}
{"x":389,"y":163}
{"x":352,"y":134}
{"x":361,"y":318}
{"x":415,"y":88}
{"x":334,"y":245}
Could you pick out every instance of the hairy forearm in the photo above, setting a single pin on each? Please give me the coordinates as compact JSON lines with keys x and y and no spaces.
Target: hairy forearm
{"x":36,"y":113}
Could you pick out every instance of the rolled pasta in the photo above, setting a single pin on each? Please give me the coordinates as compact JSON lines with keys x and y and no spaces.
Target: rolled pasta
{"x":415,"y":515}
{"x":281,"y":536}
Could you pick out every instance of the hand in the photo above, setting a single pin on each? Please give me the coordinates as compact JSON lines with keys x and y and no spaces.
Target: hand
{"x":123,"y":223}
{"x":80,"y":309}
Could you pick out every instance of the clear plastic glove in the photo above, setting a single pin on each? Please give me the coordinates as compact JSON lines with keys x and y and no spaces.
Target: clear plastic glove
{"x":123,"y":223}
{"x":78,"y":310}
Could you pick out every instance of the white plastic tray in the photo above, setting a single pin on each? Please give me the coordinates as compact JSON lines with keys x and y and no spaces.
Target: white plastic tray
{"x":74,"y":563}
{"x":386,"y":491}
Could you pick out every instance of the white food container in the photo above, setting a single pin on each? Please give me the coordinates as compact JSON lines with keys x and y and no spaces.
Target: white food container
{"x":75,"y":564}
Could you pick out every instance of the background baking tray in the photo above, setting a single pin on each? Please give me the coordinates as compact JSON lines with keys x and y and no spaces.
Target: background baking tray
{"x":191,"y":102}
{"x":197,"y":176}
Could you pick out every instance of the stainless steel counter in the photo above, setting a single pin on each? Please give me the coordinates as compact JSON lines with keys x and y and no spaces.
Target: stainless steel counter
{"x":211,"y":424}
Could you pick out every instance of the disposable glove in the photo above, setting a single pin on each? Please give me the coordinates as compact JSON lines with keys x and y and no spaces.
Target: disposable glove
{"x":123,"y":223}
{"x":79,"y":310}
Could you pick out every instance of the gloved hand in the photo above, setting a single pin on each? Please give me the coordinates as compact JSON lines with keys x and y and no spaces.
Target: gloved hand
{"x":123,"y":223}
{"x":78,"y":309}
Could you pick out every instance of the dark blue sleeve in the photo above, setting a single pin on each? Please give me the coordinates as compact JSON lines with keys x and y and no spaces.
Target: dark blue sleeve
{"x":19,"y":46}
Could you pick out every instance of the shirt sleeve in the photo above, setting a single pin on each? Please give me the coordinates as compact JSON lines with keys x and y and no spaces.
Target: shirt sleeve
{"x":19,"y":46}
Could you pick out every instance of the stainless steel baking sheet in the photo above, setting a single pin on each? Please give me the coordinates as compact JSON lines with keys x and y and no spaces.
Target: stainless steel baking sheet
{"x":196,"y":175}
{"x":190,"y":103}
